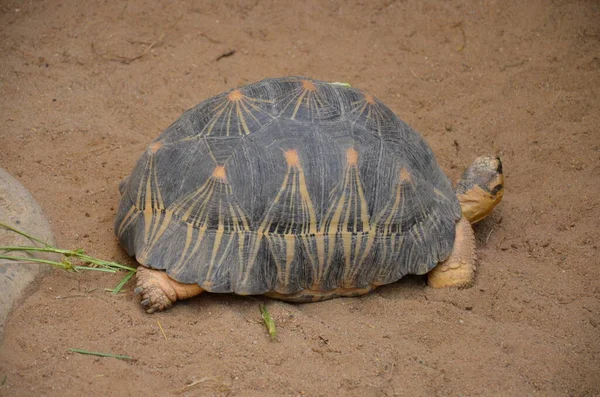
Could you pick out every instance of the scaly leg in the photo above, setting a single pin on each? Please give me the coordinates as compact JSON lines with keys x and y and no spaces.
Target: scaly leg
{"x":459,"y":269}
{"x":159,"y":291}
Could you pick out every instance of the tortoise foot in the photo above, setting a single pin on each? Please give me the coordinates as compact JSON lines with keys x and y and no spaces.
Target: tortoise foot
{"x":459,"y":269}
{"x":457,"y":274}
{"x":159,"y":291}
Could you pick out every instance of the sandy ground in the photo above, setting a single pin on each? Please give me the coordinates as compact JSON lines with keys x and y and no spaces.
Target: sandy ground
{"x":85,"y":86}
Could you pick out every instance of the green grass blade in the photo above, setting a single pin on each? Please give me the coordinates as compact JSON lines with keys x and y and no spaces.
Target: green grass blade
{"x":27,"y":248}
{"x":269,"y":323}
{"x":80,"y":351}
{"x":119,"y":286}
{"x":94,"y":269}
{"x":61,"y":265}
{"x":22,"y":233}
{"x":103,"y":263}
{"x":78,"y":254}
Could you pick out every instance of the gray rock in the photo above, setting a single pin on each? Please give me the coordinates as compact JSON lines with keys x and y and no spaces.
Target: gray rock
{"x":19,"y":209}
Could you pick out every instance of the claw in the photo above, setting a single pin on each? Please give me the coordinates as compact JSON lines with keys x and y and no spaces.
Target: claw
{"x":138,"y":290}
{"x":151,"y":310}
{"x":145,"y":302}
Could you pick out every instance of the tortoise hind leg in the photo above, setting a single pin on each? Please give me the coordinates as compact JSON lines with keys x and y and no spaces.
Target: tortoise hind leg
{"x":159,"y":291}
{"x":459,"y":269}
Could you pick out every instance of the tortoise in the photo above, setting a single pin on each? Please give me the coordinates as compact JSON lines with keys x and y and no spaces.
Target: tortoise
{"x":300,"y":190}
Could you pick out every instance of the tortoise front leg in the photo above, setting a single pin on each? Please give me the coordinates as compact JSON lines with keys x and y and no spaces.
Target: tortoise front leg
{"x":159,"y":291}
{"x":459,"y":269}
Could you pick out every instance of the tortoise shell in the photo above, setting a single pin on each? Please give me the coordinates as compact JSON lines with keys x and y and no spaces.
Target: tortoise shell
{"x":284,"y":185}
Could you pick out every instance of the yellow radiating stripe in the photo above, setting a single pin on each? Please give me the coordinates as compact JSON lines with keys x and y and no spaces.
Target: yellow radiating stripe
{"x":320,"y":240}
{"x":241,"y":118}
{"x":347,"y":244}
{"x":219,"y":262}
{"x":252,"y":99}
{"x":164,"y":223}
{"x":262,"y":227}
{"x":311,"y":105}
{"x":335,"y":220}
{"x":355,"y":263}
{"x":204,"y":204}
{"x":188,"y":242}
{"x":235,"y":223}
{"x":362,"y":109}
{"x":364,"y":207}
{"x":199,"y":239}
{"x":228,"y":126}
{"x":368,"y":246}
{"x":210,"y":153}
{"x":393,"y":211}
{"x":140,"y":190}
{"x":157,"y":203}
{"x":386,"y":270}
{"x":243,"y":217}
{"x":148,"y":190}
{"x":290,"y":249}
{"x":197,"y":198}
{"x":369,"y":111}
{"x":401,"y":217}
{"x":326,"y":226}
{"x":333,"y":227}
{"x":280,"y":271}
{"x":127,"y":219}
{"x":244,"y":105}
{"x":147,"y":221}
{"x":159,"y":200}
{"x":216,"y":245}
{"x":306,"y":221}
{"x":298,"y":103}
{"x":156,"y":222}
{"x":252,"y":257}
{"x":357,"y":248}
{"x":306,"y":239}
{"x":148,"y":203}
{"x":350,"y":193}
{"x":292,"y":204}
{"x":356,"y":201}
{"x":415,"y":233}
{"x":213,"y":121}
{"x":317,"y":100}
{"x":241,"y":250}
{"x":220,"y":224}
{"x":156,"y":218}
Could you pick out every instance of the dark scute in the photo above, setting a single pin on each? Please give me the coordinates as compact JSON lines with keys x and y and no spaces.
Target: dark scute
{"x":183,"y":167}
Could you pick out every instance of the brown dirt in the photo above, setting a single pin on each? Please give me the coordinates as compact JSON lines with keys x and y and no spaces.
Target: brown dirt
{"x":85,"y":86}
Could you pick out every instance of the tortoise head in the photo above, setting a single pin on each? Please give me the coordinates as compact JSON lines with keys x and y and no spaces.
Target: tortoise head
{"x":480,"y":188}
